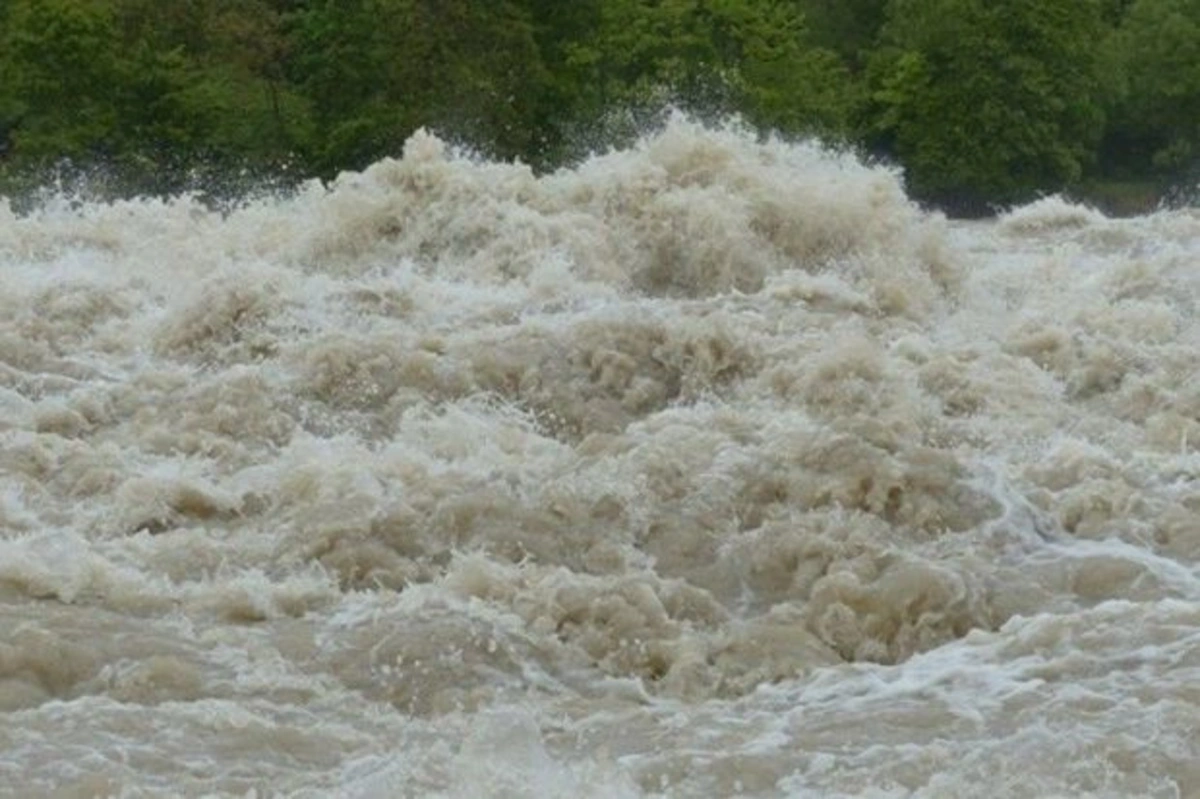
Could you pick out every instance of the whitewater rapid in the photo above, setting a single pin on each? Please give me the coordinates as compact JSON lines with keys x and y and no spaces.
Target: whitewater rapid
{"x":710,"y":467}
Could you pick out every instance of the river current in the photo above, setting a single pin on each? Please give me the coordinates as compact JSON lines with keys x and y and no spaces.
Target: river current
{"x":710,"y":467}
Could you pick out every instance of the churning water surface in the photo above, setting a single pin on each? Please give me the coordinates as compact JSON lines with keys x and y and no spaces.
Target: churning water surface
{"x":711,"y":467}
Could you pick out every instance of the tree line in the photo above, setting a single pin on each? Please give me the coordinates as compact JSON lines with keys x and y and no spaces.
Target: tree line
{"x":983,"y":102}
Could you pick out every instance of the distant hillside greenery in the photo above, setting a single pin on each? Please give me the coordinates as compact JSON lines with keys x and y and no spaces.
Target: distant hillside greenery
{"x":985,"y":103}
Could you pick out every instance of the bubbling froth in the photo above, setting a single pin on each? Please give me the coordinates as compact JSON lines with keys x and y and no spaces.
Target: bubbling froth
{"x":712,"y":466}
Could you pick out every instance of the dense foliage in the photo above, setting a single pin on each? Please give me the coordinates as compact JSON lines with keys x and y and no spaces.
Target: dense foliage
{"x":982,"y":102}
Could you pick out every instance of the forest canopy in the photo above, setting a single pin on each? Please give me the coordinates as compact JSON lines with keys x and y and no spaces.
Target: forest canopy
{"x":983,"y":103}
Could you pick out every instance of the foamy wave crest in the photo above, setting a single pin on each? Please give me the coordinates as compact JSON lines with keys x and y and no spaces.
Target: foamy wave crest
{"x":687,"y":212}
{"x":1047,"y":215}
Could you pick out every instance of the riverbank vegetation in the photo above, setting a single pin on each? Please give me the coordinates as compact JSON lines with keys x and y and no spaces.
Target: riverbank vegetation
{"x":983,"y":103}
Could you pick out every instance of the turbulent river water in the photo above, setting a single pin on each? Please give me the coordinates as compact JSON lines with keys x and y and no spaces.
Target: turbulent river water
{"x":711,"y":467}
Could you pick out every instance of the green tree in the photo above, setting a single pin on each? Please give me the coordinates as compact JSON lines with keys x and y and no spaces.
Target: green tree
{"x":714,"y":57}
{"x":1157,"y":126}
{"x":988,"y":103}
{"x":848,"y":27}
{"x":374,"y":70}
{"x":564,"y":96}
{"x":147,"y":93}
{"x":63,"y":77}
{"x":783,"y":82}
{"x":12,"y":110}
